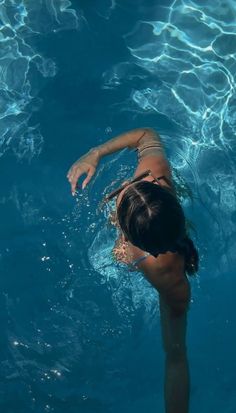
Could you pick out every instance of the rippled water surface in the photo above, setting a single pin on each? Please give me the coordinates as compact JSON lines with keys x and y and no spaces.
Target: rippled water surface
{"x":79,"y":333}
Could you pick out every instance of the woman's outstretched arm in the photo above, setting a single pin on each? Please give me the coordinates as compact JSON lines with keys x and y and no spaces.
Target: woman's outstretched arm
{"x":142,"y":139}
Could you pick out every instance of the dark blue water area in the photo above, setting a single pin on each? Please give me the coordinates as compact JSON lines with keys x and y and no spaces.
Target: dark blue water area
{"x":79,"y":333}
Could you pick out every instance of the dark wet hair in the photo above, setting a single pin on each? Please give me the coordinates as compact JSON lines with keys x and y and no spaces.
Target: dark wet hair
{"x":152,"y":219}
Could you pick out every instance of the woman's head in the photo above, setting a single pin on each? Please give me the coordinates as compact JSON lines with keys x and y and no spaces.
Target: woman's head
{"x":151,"y":218}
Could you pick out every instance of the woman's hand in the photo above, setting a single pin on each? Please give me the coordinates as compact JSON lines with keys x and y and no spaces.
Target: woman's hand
{"x":87,"y":164}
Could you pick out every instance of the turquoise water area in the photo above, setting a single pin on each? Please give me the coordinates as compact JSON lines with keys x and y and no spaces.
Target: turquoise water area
{"x":79,"y":333}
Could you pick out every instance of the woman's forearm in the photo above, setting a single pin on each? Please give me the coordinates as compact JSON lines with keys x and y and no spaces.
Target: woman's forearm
{"x":128,"y":139}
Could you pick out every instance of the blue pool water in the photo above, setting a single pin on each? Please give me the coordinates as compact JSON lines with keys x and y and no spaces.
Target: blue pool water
{"x":78,"y":333}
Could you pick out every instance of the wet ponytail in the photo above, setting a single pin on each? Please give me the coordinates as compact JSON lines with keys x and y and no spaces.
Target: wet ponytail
{"x":187,"y":249}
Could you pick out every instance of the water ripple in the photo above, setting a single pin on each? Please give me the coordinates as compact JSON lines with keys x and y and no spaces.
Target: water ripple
{"x":195,"y":62}
{"x":183,"y":67}
{"x":19,"y":22}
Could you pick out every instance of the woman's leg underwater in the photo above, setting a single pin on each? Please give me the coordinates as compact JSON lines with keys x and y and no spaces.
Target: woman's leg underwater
{"x":177,"y":380}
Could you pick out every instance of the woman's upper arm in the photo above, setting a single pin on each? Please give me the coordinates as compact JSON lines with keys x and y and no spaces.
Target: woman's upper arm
{"x":151,"y":155}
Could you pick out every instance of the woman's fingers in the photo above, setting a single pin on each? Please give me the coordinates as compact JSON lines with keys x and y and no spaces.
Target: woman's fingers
{"x":85,"y":165}
{"x":70,"y":174}
{"x":88,"y":178}
{"x":73,"y":174}
{"x":73,"y":178}
{"x":73,"y":169}
{"x":73,"y":186}
{"x":70,"y":171}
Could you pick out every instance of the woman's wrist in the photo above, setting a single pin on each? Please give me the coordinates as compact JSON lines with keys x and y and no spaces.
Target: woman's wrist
{"x":102,"y":150}
{"x":99,"y":152}
{"x":96,"y":152}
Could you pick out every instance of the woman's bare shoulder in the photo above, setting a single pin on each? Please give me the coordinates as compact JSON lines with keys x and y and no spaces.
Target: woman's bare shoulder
{"x":164,"y":271}
{"x":168,"y":276}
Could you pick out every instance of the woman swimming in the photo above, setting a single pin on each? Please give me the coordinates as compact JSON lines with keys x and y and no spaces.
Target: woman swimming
{"x":153,"y":240}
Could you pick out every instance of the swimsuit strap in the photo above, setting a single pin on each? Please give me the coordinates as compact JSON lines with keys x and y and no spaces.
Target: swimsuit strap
{"x":138,"y":260}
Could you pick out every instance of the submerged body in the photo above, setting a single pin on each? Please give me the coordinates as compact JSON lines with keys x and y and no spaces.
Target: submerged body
{"x":166,"y":271}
